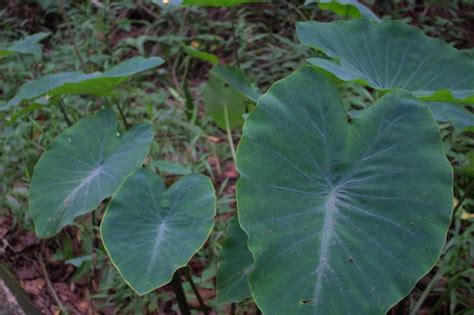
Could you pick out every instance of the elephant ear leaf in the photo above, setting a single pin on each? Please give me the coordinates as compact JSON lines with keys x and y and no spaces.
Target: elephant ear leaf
{"x":391,"y":55}
{"x":84,"y":165}
{"x":460,"y":117}
{"x":352,"y":8}
{"x":357,"y":212}
{"x":150,"y":231}
{"x":235,"y":263}
{"x":28,"y":45}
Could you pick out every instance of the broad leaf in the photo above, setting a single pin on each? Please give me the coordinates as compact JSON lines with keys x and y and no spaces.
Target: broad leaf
{"x":224,"y":102}
{"x":36,"y":88}
{"x":150,"y":231}
{"x":341,"y":217}
{"x":352,"y":8}
{"x":27,"y":45}
{"x":459,"y":117}
{"x":235,"y":263}
{"x":84,"y":165}
{"x":103,"y":84}
{"x":236,"y":79}
{"x":69,"y":83}
{"x":391,"y":55}
{"x":171,"y":167}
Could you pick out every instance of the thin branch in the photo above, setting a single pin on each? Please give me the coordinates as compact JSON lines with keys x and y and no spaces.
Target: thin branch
{"x":50,"y":285}
{"x":122,"y":115}
{"x":187,"y":275}
{"x":63,"y":111}
{"x":71,"y":34}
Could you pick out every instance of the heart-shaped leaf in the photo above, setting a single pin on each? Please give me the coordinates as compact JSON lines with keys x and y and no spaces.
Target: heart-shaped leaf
{"x":352,"y":8}
{"x":74,"y":83}
{"x":150,"y":231}
{"x":391,"y":55}
{"x":84,"y":165}
{"x":27,"y":45}
{"x":341,"y":217}
{"x":235,"y":263}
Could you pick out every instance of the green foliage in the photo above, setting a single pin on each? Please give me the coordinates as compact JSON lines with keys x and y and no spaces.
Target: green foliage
{"x":85,"y":165}
{"x":344,"y":210}
{"x":460,"y":118}
{"x":235,"y":263}
{"x":72,"y":83}
{"x":27,"y":45}
{"x":202,"y":55}
{"x":352,"y":8}
{"x":150,"y":231}
{"x":391,"y":55}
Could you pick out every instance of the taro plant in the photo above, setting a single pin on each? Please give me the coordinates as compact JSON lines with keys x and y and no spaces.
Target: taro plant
{"x":338,"y":212}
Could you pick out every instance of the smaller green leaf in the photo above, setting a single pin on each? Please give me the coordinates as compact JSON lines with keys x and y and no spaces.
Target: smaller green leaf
{"x":39,"y":87}
{"x":171,"y":167}
{"x":459,"y":117}
{"x":78,"y":261}
{"x":468,"y":168}
{"x":202,"y":55}
{"x":150,"y":231}
{"x":85,"y":165}
{"x":102,"y":84}
{"x":236,"y":79}
{"x":352,"y":8}
{"x":222,"y":100}
{"x":235,"y":263}
{"x":71,"y":83}
{"x":27,"y":45}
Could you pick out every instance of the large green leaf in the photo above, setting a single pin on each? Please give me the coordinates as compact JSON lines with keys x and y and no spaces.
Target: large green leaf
{"x":352,"y":8}
{"x":235,"y":263}
{"x":27,"y":45}
{"x":150,"y":231}
{"x":70,"y":83}
{"x":391,"y":55}
{"x":84,"y":165}
{"x":459,"y":117}
{"x":342,"y":218}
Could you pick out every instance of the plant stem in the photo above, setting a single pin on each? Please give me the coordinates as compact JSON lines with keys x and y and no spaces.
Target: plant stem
{"x":229,"y":135}
{"x":50,"y":285}
{"x":122,"y":115}
{"x":71,"y":34}
{"x":63,"y":111}
{"x":180,"y":296}
{"x":187,"y":274}
{"x":233,"y":308}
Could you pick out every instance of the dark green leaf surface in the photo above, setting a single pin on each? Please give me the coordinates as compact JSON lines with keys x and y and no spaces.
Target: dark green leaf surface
{"x":236,"y":79}
{"x":342,"y":218}
{"x":352,"y":8}
{"x":69,"y":83}
{"x":150,"y":231}
{"x":84,"y":165}
{"x":171,"y":167}
{"x":235,"y":263}
{"x":221,"y":99}
{"x":27,"y":45}
{"x":391,"y":55}
{"x":459,"y":117}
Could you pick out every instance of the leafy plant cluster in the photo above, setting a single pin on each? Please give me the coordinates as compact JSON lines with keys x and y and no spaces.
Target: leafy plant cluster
{"x":343,"y":211}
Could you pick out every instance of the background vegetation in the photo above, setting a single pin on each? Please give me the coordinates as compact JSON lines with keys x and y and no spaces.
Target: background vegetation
{"x":72,"y":271}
